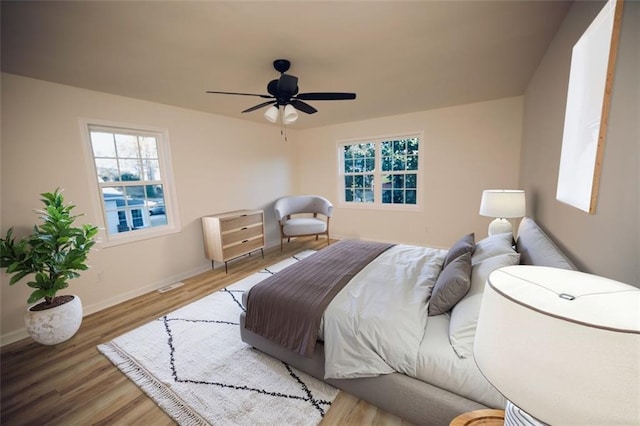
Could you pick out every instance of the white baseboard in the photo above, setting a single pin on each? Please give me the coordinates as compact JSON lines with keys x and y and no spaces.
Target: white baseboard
{"x":378,"y":240}
{"x":14,"y":336}
{"x":96,"y":307}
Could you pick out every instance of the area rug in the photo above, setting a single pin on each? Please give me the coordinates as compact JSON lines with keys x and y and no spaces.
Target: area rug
{"x":193,"y":364}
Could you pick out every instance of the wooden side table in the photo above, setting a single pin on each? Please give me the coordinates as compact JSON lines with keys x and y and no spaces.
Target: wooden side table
{"x":479,"y":417}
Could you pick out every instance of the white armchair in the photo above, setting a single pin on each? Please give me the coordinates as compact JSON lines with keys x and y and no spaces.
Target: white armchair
{"x":303,"y":224}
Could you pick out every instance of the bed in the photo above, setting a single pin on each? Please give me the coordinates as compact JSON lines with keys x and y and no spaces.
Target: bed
{"x":413,"y":355}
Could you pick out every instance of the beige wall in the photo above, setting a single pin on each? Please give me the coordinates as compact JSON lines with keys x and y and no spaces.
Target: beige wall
{"x":466,"y":149}
{"x":220,"y":164}
{"x":223,"y":164}
{"x":606,"y":243}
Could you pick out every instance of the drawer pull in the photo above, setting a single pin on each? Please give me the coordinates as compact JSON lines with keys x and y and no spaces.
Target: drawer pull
{"x":244,"y":215}
{"x":242,"y":229}
{"x":245,"y":241}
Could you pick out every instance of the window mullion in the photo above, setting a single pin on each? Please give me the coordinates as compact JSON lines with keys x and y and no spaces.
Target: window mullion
{"x":401,"y":168}
{"x":377,"y":177}
{"x":129,"y":201}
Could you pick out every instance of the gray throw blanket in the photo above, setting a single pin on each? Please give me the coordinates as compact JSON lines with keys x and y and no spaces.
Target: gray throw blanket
{"x":287,"y":307}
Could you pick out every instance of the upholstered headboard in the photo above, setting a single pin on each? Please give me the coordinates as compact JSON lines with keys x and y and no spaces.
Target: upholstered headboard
{"x":536,"y":248}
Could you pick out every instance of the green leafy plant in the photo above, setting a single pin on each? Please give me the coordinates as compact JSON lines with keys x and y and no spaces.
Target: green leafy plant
{"x":54,"y":252}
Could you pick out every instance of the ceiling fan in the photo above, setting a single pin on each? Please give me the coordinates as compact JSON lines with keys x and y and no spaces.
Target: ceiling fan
{"x":283,"y":92}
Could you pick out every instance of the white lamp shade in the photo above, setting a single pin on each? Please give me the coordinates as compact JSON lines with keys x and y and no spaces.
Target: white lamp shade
{"x":503,"y":203}
{"x":271,"y":114}
{"x":290,"y":114}
{"x":562,"y":345}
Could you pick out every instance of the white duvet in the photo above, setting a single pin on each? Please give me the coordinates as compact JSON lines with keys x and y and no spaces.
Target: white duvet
{"x":375,"y":325}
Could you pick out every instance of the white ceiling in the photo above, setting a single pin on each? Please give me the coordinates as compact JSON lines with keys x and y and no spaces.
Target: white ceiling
{"x":398,"y":56}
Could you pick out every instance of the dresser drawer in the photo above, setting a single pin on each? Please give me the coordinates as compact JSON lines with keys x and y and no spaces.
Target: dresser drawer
{"x":241,"y":234}
{"x":231,"y":223}
{"x":243,"y":247}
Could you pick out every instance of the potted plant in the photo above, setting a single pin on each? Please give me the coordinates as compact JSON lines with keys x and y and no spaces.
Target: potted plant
{"x":54,"y":253}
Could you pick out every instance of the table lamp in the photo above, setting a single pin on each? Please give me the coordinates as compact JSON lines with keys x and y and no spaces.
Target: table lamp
{"x":502,"y":204}
{"x":563,"y":346}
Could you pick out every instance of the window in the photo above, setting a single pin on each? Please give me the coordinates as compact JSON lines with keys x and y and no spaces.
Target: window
{"x":132,"y":172}
{"x":380,"y":172}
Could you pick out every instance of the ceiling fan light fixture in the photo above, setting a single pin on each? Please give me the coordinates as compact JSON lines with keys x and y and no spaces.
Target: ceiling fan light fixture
{"x":271,"y":114}
{"x":290,"y":114}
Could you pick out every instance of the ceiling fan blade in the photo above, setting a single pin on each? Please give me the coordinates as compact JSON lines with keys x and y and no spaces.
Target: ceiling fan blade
{"x":264,"y":104}
{"x":326,"y":96}
{"x":302,"y":106}
{"x":241,"y":94}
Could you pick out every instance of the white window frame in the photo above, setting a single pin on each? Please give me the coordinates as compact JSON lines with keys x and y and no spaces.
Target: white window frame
{"x":377,"y":173}
{"x":167,"y":180}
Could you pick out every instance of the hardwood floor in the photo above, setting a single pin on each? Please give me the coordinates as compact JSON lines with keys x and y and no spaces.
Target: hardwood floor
{"x":73,"y":384}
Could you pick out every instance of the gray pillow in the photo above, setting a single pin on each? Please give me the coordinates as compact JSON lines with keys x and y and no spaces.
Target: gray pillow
{"x":452,"y":284}
{"x":465,"y":244}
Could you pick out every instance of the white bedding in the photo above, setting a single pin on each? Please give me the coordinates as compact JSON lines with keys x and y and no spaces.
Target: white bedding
{"x":439,"y":365}
{"x":376,"y":323}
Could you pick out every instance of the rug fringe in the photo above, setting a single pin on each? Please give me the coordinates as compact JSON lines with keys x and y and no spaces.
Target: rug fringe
{"x":174,"y":406}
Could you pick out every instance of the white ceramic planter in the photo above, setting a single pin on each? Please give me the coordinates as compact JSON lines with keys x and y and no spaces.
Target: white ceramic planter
{"x":55,"y":325}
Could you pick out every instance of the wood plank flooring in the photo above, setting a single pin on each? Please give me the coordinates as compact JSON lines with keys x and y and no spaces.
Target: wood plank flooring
{"x":74,"y":384}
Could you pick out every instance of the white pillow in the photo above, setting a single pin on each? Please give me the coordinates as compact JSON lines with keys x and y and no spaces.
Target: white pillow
{"x":464,"y":315}
{"x":493,"y":246}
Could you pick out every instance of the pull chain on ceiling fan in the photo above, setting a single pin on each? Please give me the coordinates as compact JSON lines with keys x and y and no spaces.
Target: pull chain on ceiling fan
{"x":283,"y":92}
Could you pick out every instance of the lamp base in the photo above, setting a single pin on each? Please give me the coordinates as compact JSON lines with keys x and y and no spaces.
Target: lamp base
{"x":500,"y":226}
{"x":515,"y":416}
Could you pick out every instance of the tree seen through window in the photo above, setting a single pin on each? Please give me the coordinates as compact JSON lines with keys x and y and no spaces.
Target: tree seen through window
{"x":392,"y":164}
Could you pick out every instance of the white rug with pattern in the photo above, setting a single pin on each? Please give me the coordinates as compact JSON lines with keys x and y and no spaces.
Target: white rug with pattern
{"x":193,"y":364}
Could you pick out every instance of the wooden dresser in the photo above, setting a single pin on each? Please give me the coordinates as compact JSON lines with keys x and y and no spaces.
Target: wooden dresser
{"x":233,"y":234}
